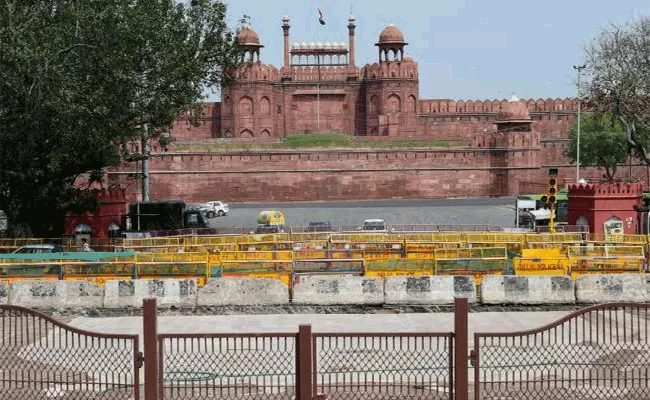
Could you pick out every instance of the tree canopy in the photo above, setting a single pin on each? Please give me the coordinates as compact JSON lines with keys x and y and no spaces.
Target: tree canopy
{"x":619,"y":68}
{"x":77,"y":77}
{"x":602,"y":142}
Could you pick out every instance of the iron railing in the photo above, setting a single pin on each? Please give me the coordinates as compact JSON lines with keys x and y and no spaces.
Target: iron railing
{"x":597,"y":352}
{"x":227,"y":366}
{"x":43,"y":358}
{"x":384,"y":365}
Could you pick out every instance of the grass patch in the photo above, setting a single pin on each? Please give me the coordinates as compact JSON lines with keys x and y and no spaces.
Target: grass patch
{"x":324,"y":141}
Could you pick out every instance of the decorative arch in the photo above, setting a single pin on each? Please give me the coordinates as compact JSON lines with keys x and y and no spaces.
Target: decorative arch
{"x":265,"y":105}
{"x":246,"y":106}
{"x":374,"y":131}
{"x":374,"y":104}
{"x":246,"y":133}
{"x":227,"y":133}
{"x":411,"y":104}
{"x":393,"y":103}
{"x":227,"y":105}
{"x":265,"y":133}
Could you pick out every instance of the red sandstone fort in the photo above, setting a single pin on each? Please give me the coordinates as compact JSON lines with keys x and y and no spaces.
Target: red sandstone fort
{"x":510,"y":143}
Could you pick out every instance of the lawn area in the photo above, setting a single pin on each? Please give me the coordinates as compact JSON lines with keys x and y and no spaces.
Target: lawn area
{"x":323,"y":141}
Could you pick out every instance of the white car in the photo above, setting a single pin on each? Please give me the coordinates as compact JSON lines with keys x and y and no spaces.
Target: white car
{"x":217,"y":209}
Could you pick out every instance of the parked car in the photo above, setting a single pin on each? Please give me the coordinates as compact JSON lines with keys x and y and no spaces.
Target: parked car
{"x":39,"y":248}
{"x":374,"y":225}
{"x":217,"y":209}
{"x":319,"y":226}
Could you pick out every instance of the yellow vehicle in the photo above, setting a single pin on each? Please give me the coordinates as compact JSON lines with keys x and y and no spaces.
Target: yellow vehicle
{"x":270,"y":222}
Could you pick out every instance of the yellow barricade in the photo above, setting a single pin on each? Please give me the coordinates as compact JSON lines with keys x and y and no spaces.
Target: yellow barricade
{"x":310,"y":236}
{"x":310,"y":245}
{"x":310,"y":255}
{"x":596,"y":265}
{"x":401,"y":267}
{"x":554,"y":238}
{"x":605,"y":250}
{"x":280,"y":270}
{"x":256,"y":255}
{"x":618,"y":238}
{"x":434,"y":237}
{"x":541,"y":262}
{"x":360,"y":237}
{"x":476,"y":262}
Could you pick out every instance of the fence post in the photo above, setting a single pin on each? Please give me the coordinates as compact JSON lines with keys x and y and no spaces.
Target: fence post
{"x":461,"y":348}
{"x":304,"y":363}
{"x":150,"y":338}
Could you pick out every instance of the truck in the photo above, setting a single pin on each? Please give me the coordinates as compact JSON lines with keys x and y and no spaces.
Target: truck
{"x":151,"y":216}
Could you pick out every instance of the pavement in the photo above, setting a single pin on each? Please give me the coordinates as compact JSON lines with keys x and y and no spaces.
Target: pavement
{"x":484,"y":211}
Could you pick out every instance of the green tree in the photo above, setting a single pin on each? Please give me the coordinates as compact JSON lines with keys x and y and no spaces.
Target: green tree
{"x":76,"y":79}
{"x":602,"y":142}
{"x":619,"y":79}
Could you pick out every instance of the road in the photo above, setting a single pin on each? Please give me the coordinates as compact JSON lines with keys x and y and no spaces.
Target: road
{"x":488,"y":211}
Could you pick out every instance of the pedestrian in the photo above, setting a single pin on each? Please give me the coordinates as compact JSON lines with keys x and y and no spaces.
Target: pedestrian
{"x":85,"y":246}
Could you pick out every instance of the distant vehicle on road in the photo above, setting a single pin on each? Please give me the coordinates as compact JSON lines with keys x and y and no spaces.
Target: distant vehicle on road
{"x":319,"y":226}
{"x":39,"y":249}
{"x":264,"y":229}
{"x":377,"y":225}
{"x":270,"y":222}
{"x":163,"y":216}
{"x":216,"y":209}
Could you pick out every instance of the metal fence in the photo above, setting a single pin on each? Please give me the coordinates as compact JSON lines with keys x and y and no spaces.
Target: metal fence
{"x":227,"y":366}
{"x":384,"y":365}
{"x":598,"y":352}
{"x":43,"y":358}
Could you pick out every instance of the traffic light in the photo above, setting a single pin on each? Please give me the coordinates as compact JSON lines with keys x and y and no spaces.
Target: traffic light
{"x":544,"y":199}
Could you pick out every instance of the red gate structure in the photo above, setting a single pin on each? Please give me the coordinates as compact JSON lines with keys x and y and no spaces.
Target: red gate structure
{"x":43,"y":358}
{"x":598,"y":352}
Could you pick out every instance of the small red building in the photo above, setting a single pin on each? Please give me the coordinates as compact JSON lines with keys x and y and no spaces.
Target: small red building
{"x":105,"y":221}
{"x":605,"y":208}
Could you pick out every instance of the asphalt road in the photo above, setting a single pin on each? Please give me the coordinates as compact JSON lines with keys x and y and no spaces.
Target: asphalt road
{"x":489,"y":211}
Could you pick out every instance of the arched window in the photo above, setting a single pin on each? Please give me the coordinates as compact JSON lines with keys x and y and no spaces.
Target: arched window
{"x":83,"y":229}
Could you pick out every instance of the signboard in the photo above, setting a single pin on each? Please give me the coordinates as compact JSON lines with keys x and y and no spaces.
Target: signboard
{"x":541,"y":262}
{"x":526,"y":204}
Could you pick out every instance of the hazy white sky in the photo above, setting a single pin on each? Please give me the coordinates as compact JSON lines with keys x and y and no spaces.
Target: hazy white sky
{"x":466,"y":49}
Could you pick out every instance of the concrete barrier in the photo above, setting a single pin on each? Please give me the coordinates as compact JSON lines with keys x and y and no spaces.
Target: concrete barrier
{"x":4,"y":293}
{"x":56,"y":294}
{"x":330,"y":290}
{"x":428,"y":289}
{"x":243,"y":292}
{"x":611,"y":288}
{"x":169,"y":292}
{"x":529,"y":289}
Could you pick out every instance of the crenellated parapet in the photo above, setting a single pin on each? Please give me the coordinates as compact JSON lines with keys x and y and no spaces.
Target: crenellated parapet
{"x":448,"y":106}
{"x":256,"y":72}
{"x":316,"y":73}
{"x":624,"y":189}
{"x":406,"y":69}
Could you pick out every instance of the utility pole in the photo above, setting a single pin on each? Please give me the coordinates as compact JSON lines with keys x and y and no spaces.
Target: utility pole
{"x":145,"y":162}
{"x":578,"y":68}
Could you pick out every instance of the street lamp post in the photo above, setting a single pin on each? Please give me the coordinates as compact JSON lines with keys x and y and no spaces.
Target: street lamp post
{"x":578,"y":68}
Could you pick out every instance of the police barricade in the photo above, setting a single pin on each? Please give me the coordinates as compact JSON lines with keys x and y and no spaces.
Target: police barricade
{"x":212,"y":241}
{"x":176,"y":265}
{"x":300,"y":245}
{"x":605,"y":250}
{"x":350,"y":266}
{"x":432,"y":237}
{"x":514,"y":241}
{"x":99,"y":272}
{"x":606,"y":259}
{"x":554,"y":241}
{"x":360,"y":237}
{"x":619,"y":239}
{"x":542,"y":262}
{"x":381,"y":250}
{"x":311,"y":236}
{"x":265,"y":246}
{"x":266,"y":269}
{"x":401,"y":267}
{"x":425,"y":250}
{"x":308,"y":254}
{"x":255,"y":255}
{"x":14,"y":270}
{"x":476,"y":262}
